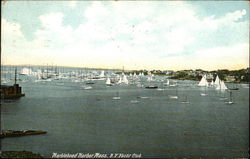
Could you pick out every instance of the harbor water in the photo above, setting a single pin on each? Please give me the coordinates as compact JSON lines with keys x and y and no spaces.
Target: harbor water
{"x":143,"y":121}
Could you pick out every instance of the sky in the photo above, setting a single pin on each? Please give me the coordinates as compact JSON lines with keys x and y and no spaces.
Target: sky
{"x":164,"y":35}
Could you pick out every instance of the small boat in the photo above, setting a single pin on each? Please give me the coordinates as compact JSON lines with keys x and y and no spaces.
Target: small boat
{"x":144,"y":97}
{"x":87,"y":87}
{"x":229,"y":102}
{"x":204,"y":94}
{"x":90,"y":82}
{"x":233,"y":88}
{"x":134,"y":101}
{"x":116,"y":98}
{"x":185,"y":102}
{"x":173,"y":97}
{"x":151,"y":87}
{"x":160,"y":89}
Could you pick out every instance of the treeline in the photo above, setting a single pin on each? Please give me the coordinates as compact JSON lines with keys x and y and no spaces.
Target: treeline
{"x":241,"y":75}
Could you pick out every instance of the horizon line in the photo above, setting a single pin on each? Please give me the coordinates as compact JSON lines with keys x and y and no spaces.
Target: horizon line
{"x":97,"y":68}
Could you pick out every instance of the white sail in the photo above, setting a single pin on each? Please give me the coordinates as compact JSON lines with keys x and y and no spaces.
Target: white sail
{"x":168,"y":82}
{"x":120,"y":80}
{"x":203,"y":81}
{"x":217,"y":81}
{"x":125,"y":80}
{"x":108,"y":82}
{"x":212,"y":83}
{"x":221,"y":86}
{"x":102,"y":74}
{"x":25,"y":71}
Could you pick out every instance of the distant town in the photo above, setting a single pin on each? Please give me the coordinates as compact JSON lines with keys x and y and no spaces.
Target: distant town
{"x":241,"y":75}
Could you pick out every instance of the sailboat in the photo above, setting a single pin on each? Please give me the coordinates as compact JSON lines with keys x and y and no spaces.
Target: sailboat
{"x":230,"y":99}
{"x":205,"y":93}
{"x":136,"y":100}
{"x":108,"y":82}
{"x":173,"y":84}
{"x":185,"y":101}
{"x":174,"y":96}
{"x":120,"y":80}
{"x":221,"y":86}
{"x":162,"y":87}
{"x":135,"y":74}
{"x":167,"y":83}
{"x":212,"y":83}
{"x":150,"y":86}
{"x":203,"y":81}
{"x":102,"y":74}
{"x":125,"y":80}
{"x":217,"y":81}
{"x":117,"y":97}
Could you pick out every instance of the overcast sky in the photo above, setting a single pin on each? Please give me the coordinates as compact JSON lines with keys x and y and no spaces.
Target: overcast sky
{"x":137,"y":35}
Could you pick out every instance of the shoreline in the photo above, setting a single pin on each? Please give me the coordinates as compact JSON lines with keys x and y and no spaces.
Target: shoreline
{"x":18,"y":133}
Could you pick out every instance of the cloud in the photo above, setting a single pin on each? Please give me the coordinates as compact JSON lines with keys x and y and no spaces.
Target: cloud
{"x":72,"y":3}
{"x":150,"y":35}
{"x":51,"y":21}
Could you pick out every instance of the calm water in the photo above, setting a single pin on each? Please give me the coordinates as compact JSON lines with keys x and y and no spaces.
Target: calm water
{"x":89,"y":121}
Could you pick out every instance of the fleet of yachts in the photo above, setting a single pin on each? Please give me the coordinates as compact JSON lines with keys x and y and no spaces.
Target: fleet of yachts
{"x":112,"y":78}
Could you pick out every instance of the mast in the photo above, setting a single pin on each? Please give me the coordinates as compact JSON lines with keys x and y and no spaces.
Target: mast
{"x":47,"y":70}
{"x":15,"y":75}
{"x":231,"y":96}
